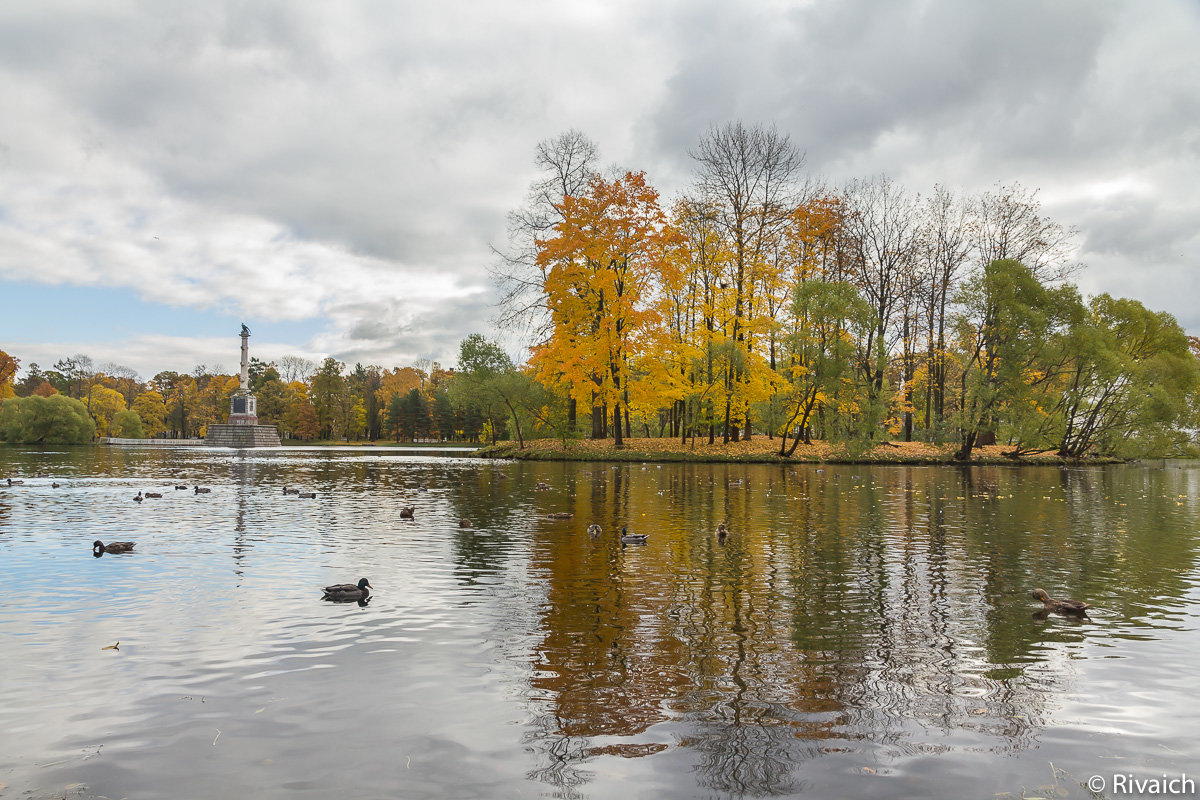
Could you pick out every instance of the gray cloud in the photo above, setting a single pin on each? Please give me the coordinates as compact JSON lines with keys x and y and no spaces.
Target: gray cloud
{"x":350,"y":163}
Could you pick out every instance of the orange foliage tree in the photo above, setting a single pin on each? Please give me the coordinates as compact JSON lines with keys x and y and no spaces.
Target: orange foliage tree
{"x":602,"y":266}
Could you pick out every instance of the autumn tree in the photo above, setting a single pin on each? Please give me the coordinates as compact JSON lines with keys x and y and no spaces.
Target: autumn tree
{"x":152,"y":411}
{"x":749,"y":177}
{"x":567,"y":162}
{"x":602,"y":264}
{"x":8,"y":371}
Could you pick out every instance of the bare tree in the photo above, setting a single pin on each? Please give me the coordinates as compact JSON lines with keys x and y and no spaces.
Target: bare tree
{"x":749,"y":175}
{"x":946,"y":249}
{"x":1010,"y":225}
{"x":884,"y":225}
{"x":568,"y":162}
{"x":296,"y":368}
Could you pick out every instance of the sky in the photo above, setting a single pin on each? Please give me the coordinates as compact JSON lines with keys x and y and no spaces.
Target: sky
{"x":335,"y":175}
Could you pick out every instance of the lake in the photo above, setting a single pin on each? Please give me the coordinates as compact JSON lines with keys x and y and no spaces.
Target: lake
{"x":864,"y":632}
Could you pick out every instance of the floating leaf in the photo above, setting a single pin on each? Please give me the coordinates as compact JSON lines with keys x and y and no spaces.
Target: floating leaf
{"x":112,"y":647}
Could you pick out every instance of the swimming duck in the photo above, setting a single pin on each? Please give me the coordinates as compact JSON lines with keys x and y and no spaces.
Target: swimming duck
{"x":348,"y":591}
{"x":153,"y":495}
{"x":406,"y":512}
{"x":307,"y":495}
{"x":11,"y":482}
{"x":1060,"y":606}
{"x":633,"y":538}
{"x":180,"y":486}
{"x":722,"y":532}
{"x":464,"y":523}
{"x":560,"y":515}
{"x":138,"y":498}
{"x":99,"y":547}
{"x":290,"y":490}
{"x":201,"y":490}
{"x":594,"y":530}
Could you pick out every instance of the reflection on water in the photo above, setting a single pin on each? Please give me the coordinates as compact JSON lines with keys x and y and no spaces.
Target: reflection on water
{"x":860,"y":632}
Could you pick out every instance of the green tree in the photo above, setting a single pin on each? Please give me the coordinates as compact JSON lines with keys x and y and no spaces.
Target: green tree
{"x":484,"y":379}
{"x":57,"y":419}
{"x":834,"y":325}
{"x":1006,"y":329}
{"x":126,"y":424}
{"x":327,"y":385}
{"x":1130,"y":378}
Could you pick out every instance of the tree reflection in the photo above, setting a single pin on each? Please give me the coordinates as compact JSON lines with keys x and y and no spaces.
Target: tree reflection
{"x":848,"y":605}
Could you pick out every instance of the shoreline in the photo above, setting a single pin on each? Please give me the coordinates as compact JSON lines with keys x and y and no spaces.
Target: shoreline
{"x":762,"y":450}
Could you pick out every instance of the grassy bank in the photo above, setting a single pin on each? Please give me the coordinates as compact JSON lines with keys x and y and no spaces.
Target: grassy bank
{"x":758,"y":450}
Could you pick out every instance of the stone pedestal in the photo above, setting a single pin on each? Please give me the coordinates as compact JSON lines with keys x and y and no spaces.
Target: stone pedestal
{"x":242,"y":436}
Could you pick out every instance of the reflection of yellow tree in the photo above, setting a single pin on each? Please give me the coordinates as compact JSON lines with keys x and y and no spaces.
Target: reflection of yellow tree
{"x":847,"y":605}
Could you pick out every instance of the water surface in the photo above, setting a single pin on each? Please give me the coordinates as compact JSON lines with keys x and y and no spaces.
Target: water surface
{"x":864,"y":632}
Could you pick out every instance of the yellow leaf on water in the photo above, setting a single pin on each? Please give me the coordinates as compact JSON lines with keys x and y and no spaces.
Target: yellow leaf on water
{"x":259,"y":711}
{"x":112,"y":647}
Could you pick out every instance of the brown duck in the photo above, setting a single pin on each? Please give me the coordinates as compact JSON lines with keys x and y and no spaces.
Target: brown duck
{"x":99,"y":547}
{"x":1060,"y":606}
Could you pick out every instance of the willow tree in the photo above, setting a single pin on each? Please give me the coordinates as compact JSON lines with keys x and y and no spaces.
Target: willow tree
{"x":1130,"y":382}
{"x":1009,"y":323}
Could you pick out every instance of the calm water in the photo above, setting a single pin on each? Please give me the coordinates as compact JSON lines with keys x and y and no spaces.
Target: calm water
{"x":865,"y":632}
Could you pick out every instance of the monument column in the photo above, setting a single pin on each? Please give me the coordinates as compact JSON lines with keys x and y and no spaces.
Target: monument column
{"x":242,"y":406}
{"x":243,"y":429}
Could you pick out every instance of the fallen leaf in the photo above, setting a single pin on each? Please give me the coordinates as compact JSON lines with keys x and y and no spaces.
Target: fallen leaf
{"x":112,"y":647}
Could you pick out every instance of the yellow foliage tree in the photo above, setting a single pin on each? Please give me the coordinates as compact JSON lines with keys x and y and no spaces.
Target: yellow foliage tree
{"x":152,"y":410}
{"x":602,"y":270}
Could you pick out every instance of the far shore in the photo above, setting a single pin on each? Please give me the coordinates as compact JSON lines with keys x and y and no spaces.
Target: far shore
{"x":762,"y":450}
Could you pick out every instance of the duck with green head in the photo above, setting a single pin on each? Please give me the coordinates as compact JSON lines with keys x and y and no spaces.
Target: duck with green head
{"x":348,"y":591}
{"x":633,"y":538}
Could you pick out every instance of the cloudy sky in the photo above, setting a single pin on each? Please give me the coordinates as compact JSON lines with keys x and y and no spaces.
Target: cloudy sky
{"x":333,"y":174}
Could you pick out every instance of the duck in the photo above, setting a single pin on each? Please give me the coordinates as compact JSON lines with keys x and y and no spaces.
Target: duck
{"x":11,"y":482}
{"x":153,"y":495}
{"x":722,"y":532}
{"x":307,"y":495}
{"x":99,"y":547}
{"x":138,"y":498}
{"x":406,"y":512}
{"x":179,"y":486}
{"x":560,"y":515}
{"x":348,"y":591}
{"x":55,"y":485}
{"x":594,"y":530}
{"x":464,"y":523}
{"x":633,"y":538}
{"x":201,"y":490}
{"x":1059,"y":606}
{"x":290,"y":490}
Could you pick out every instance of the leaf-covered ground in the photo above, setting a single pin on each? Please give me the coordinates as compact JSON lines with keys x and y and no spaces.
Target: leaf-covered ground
{"x":758,"y":449}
